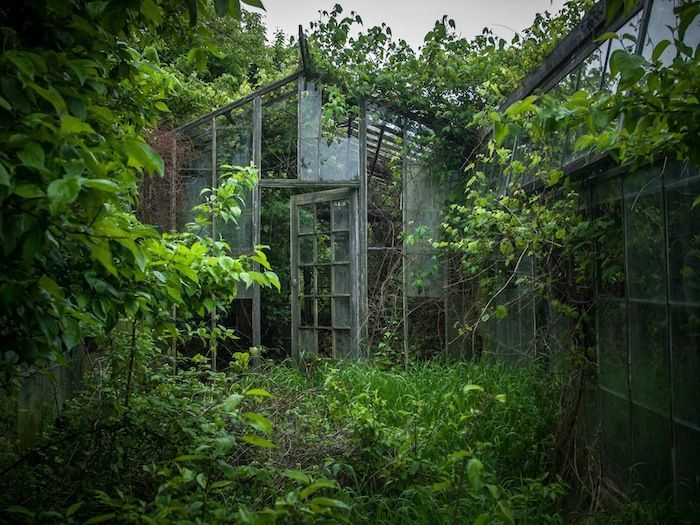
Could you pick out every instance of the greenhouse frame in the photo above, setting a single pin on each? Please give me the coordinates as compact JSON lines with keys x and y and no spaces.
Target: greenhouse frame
{"x":357,"y":187}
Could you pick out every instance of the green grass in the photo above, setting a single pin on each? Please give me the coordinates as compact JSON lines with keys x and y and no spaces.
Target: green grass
{"x":348,"y":442}
{"x":401,"y":441}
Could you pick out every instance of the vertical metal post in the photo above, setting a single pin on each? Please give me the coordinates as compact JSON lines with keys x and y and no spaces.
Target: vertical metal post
{"x":362,"y":230}
{"x":214,"y":183}
{"x":173,"y":227}
{"x":294,"y":274}
{"x":257,"y":158}
{"x":404,"y":267}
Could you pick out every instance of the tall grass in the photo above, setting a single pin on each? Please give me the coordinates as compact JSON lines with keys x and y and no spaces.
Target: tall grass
{"x":408,"y":443}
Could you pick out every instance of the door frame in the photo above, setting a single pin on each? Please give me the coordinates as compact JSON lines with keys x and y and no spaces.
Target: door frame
{"x":301,"y":199}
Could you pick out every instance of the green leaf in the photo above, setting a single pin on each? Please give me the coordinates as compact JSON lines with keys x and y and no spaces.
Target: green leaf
{"x":74,"y":508}
{"x":501,"y":311}
{"x":152,"y":11}
{"x":475,"y":471}
{"x":606,"y":36}
{"x":441,"y":486}
{"x":258,"y":392}
{"x":258,"y":422}
{"x":63,"y":192}
{"x":328,"y":502}
{"x":102,"y":254}
{"x":47,"y":284}
{"x":71,"y":333}
{"x":231,"y":403}
{"x":5,"y":104}
{"x":193,"y":11}
{"x":297,"y":476}
{"x":19,"y":509}
{"x":189,"y":457}
{"x":473,"y":388}
{"x":71,"y":124}
{"x":254,"y":3}
{"x":316,"y":486}
{"x":33,"y":156}
{"x":629,"y":66}
{"x":258,"y":441}
{"x":105,"y":185}
{"x":50,"y":95}
{"x":224,"y":444}
{"x":221,"y":7}
{"x":29,"y":191}
{"x":4,"y":176}
{"x":504,"y":512}
{"x":141,"y":155}
{"x":100,"y":519}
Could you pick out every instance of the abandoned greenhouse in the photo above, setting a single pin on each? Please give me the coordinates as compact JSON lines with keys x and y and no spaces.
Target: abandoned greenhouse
{"x":352,"y":206}
{"x":545,"y":242}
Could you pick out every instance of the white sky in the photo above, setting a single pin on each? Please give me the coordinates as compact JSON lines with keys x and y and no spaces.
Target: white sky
{"x":412,"y":19}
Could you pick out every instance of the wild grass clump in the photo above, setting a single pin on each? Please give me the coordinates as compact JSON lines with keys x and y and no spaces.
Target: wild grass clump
{"x":436,"y":443}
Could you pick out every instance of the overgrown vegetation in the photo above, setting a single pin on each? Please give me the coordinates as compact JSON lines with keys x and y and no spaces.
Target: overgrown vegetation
{"x":434,"y":444}
{"x":361,"y":443}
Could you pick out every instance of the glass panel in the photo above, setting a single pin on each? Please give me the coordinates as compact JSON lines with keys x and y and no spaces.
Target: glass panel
{"x":616,"y":438}
{"x":190,"y":196}
{"x":323,"y":217}
{"x":307,"y":341}
{"x":612,"y":346}
{"x":306,"y":249}
{"x":426,"y":274}
{"x":341,"y":215}
{"x":325,"y":343}
{"x":590,"y":75}
{"x":685,"y":342}
{"x":339,"y":152}
{"x":341,"y":279}
{"x":649,"y":363}
{"x":234,"y":137}
{"x":687,"y":457}
{"x":341,"y":247}
{"x":279,"y":133}
{"x":684,"y":241}
{"x":239,"y":235}
{"x":558,"y":140}
{"x":309,"y":130}
{"x":323,"y":247}
{"x":343,"y":344}
{"x":631,"y":28}
{"x":200,"y":153}
{"x":661,"y":22}
{"x":645,"y":235}
{"x":610,"y":263}
{"x":306,"y":304}
{"x":342,"y":312}
{"x":306,"y":278}
{"x":306,"y":218}
{"x":652,"y":450}
{"x":324,"y":311}
{"x":324,"y":280}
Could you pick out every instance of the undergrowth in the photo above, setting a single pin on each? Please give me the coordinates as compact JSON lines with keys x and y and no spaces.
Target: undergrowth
{"x":284,"y":443}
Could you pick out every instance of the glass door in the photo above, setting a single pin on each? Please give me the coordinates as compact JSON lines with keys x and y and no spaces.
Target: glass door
{"x":324,"y":274}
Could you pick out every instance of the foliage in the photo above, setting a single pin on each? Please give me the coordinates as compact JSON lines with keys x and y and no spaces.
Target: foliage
{"x":501,"y":223}
{"x":224,"y":60}
{"x":185,"y":448}
{"x":436,"y":443}
{"x":445,"y":82}
{"x":81,"y":81}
